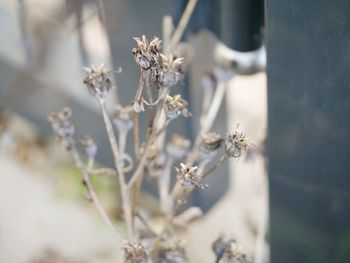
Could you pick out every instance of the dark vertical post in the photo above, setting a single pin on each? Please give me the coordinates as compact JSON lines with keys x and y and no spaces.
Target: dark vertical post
{"x":242,"y":24}
{"x":308,"y":55}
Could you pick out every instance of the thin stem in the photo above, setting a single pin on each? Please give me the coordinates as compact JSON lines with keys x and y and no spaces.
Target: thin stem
{"x":214,"y":166}
{"x":136,"y":135}
{"x":164,"y":185}
{"x":102,"y":171}
{"x":214,"y":107}
{"x":101,"y":13}
{"x":203,"y":164}
{"x":118,"y":162}
{"x":144,"y":222}
{"x":24,"y":26}
{"x":167,"y":30}
{"x":191,"y":4}
{"x":86,"y":178}
{"x":138,"y":100}
{"x":209,"y":119}
{"x":150,"y":109}
{"x":204,"y":128}
{"x":140,"y":167}
{"x":123,"y":134}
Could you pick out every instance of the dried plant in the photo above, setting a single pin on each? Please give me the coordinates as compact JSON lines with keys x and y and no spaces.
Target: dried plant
{"x":154,"y":157}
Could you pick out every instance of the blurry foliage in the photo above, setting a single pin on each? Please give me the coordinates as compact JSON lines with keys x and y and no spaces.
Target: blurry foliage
{"x":71,"y":183}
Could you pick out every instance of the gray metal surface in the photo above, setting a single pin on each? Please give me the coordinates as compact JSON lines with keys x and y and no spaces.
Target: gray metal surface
{"x":308,"y":56}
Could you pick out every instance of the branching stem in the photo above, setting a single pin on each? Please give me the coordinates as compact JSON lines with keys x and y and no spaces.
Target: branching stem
{"x":119,"y":166}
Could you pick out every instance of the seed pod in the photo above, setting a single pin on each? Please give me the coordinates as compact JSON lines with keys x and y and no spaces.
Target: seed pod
{"x":62,"y":126}
{"x":146,"y":54}
{"x":98,"y":81}
{"x":209,"y":145}
{"x":175,"y":106}
{"x":188,"y":177}
{"x":235,"y":143}
{"x":135,"y":253}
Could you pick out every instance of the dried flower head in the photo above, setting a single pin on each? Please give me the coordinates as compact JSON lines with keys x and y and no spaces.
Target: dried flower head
{"x":89,"y":146}
{"x":188,"y":177}
{"x":98,"y":81}
{"x":235,"y":143}
{"x":135,"y":253}
{"x":146,"y":54}
{"x":220,"y":246}
{"x":209,"y":144}
{"x":62,"y":126}
{"x":123,"y":117}
{"x":233,"y":254}
{"x":178,"y":146}
{"x":171,"y":71}
{"x":170,"y":251}
{"x":227,"y":249}
{"x":175,"y":106}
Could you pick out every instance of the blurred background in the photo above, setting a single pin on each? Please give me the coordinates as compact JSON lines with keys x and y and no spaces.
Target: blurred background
{"x":44,"y":46}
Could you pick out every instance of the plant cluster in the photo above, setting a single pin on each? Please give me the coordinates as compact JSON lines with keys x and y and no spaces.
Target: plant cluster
{"x":190,"y":163}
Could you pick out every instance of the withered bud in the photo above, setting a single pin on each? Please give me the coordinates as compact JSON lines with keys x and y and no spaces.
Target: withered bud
{"x":98,"y":81}
{"x":135,"y":253}
{"x":62,"y":126}
{"x":171,"y":71}
{"x":146,"y":54}
{"x":170,"y":251}
{"x":188,"y":177}
{"x":235,"y":143}
{"x":175,"y":106}
{"x":209,"y":144}
{"x":227,"y":249}
{"x":234,"y":254}
{"x":89,"y":146}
